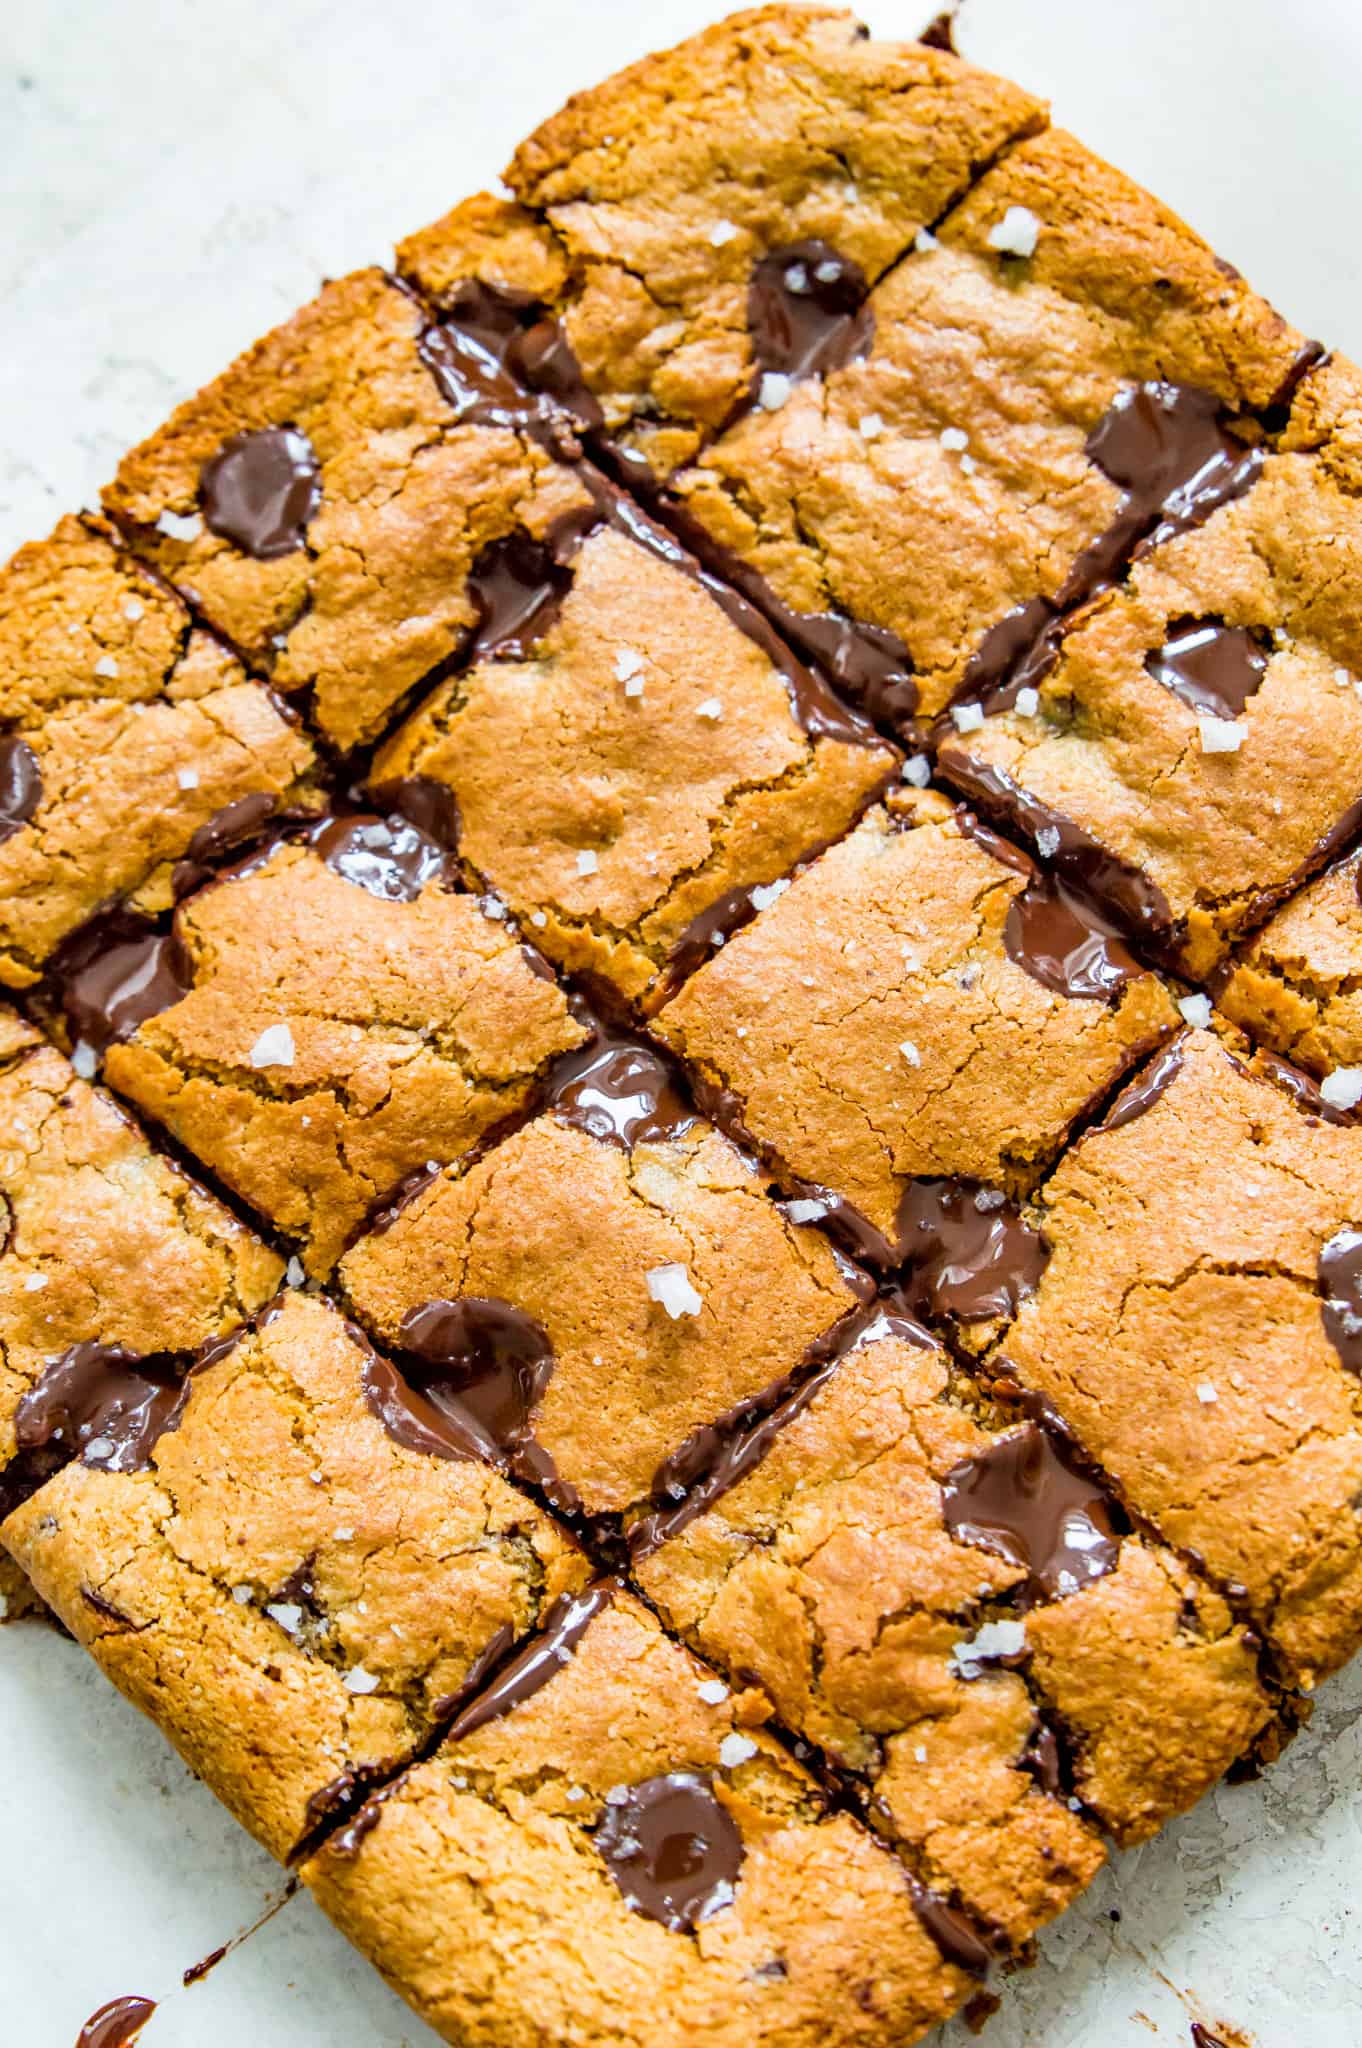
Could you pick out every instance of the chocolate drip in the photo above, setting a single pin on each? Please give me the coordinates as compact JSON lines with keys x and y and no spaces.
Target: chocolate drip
{"x":673,"y":1848}
{"x":518,"y":585}
{"x":1066,"y":944}
{"x":430,"y":806}
{"x":808,"y":310}
{"x":103,"y":1404}
{"x":117,"y":2024}
{"x":1311,"y":355}
{"x":954,"y":1933}
{"x":390,"y":857}
{"x":1024,"y":1501}
{"x":117,"y":985}
{"x":619,"y":1091}
{"x":479,"y":1674}
{"x":1211,"y":667}
{"x":540,"y":1660}
{"x":966,"y":1251}
{"x":261,"y":490}
{"x":1339,"y":1279}
{"x":1145,"y":1090}
{"x":21,"y":784}
{"x":715,"y":1457}
{"x":1078,"y":856}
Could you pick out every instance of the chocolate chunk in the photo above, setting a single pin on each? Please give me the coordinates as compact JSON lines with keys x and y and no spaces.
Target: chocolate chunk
{"x":390,"y":857}
{"x":429,"y":805}
{"x":467,"y":366}
{"x":619,"y":1091}
{"x":226,"y":832}
{"x":1339,"y":1279}
{"x":967,"y":1252}
{"x":939,"y":33}
{"x":518,"y":585}
{"x":1066,"y":944}
{"x":103,"y":1404}
{"x":125,"y":982}
{"x":116,"y":2024}
{"x":1211,"y":667}
{"x":955,"y":1935}
{"x":673,"y":1848}
{"x":21,"y":784}
{"x":807,"y":310}
{"x":484,"y":1364}
{"x":1144,"y":1091}
{"x":1043,"y":1759}
{"x":1167,"y":447}
{"x":542,"y":1658}
{"x":260,"y":490}
{"x":543,"y":357}
{"x":1024,"y":1501}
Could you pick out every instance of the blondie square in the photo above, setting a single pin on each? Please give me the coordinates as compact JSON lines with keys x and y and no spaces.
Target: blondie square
{"x":299,"y":1576}
{"x":1297,"y":984}
{"x":319,"y":1024}
{"x":605,"y":1850}
{"x":912,"y":1028}
{"x":126,"y":732}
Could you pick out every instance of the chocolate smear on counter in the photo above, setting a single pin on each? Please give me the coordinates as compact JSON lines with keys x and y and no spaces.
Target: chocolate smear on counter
{"x":103,"y":1404}
{"x":198,"y":1971}
{"x":1066,"y":944}
{"x":620,"y":1091}
{"x":954,"y":1933}
{"x":808,"y":310}
{"x":1339,"y":1279}
{"x":389,"y":857}
{"x":128,"y":974}
{"x":673,"y":1848}
{"x":1213,"y":668}
{"x":21,"y":784}
{"x":116,"y":2024}
{"x":1100,"y":875}
{"x":1144,"y":1091}
{"x":717,"y":1455}
{"x":1023,"y":1500}
{"x":967,"y":1253}
{"x":260,"y":491}
{"x":541,"y":1659}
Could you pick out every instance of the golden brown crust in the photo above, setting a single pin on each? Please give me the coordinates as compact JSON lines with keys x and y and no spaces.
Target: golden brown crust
{"x":1297,"y":985}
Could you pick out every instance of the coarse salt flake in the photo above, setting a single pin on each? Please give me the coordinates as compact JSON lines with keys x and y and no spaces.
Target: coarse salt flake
{"x":84,"y":1060}
{"x":712,"y":1691}
{"x":342,"y":1535}
{"x":805,"y":1209}
{"x":1017,"y":233}
{"x":967,"y":717}
{"x":35,"y":1282}
{"x":924,"y":240}
{"x":723,"y":231}
{"x":1028,"y":702}
{"x":106,"y":666}
{"x":917,"y":769}
{"x":587,"y":862}
{"x":357,"y":1679}
{"x":954,"y":440}
{"x":671,"y":1286}
{"x":1206,"y":1393}
{"x":539,"y":919}
{"x":188,"y":778}
{"x":1047,"y":840}
{"x":242,"y":1595}
{"x":996,"y":1639}
{"x":912,"y":1057}
{"x":274,"y":1047}
{"x":774,"y":389}
{"x":736,"y":1749}
{"x":711,"y":708}
{"x":765,"y":894}
{"x":1220,"y":735}
{"x":1343,"y":1088}
{"x":293,"y":1272}
{"x":288,"y":1615}
{"x":180,"y":525}
{"x":1196,"y":1011}
{"x":870,"y":426}
{"x":133,"y":610}
{"x":627,"y":663}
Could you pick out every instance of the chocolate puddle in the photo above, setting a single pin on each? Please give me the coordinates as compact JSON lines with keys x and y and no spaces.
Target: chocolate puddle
{"x":673,"y":1849}
{"x":261,"y":490}
{"x":1211,"y":667}
{"x":117,"y":2024}
{"x":1025,"y":1502}
{"x":808,"y":310}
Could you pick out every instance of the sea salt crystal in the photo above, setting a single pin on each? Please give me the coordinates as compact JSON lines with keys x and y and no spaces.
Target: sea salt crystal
{"x":35,"y":1282}
{"x":84,"y":1060}
{"x":1017,"y":233}
{"x":1343,"y":1088}
{"x":180,"y":525}
{"x":870,"y":426}
{"x":765,"y":894}
{"x":670,"y":1285}
{"x":359,"y":1680}
{"x":1028,"y":702}
{"x":539,"y":919}
{"x":967,"y":717}
{"x":924,"y":240}
{"x":587,"y":862}
{"x":711,"y":708}
{"x":989,"y":1199}
{"x":954,"y":440}
{"x":1047,"y":840}
{"x":968,"y":465}
{"x":188,"y":778}
{"x":1220,"y":735}
{"x":773,"y":390}
{"x":287,"y":1614}
{"x":1196,"y":1011}
{"x":1206,"y":1393}
{"x":994,"y":1640}
{"x":273,"y":1048}
{"x":712,"y":1691}
{"x":342,"y":1535}
{"x":917,"y":769}
{"x":294,"y":1274}
{"x":920,"y":1753}
{"x":911,"y":1055}
{"x":804,"y":1209}
{"x":736,"y":1749}
{"x":106,"y":666}
{"x":242,"y":1595}
{"x":723,"y":231}
{"x":628,"y":663}
{"x":99,"y":1447}
{"x":618,"y":1795}
{"x":133,"y":610}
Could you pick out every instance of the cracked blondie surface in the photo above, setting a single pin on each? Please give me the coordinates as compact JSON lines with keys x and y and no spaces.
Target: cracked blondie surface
{"x":865,"y":1407}
{"x":126,"y":731}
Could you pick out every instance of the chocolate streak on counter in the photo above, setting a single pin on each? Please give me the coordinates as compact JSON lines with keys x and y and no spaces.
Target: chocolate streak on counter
{"x":1168,"y":448}
{"x":715,"y":1457}
{"x":1025,"y":1501}
{"x":1202,"y":2037}
{"x":673,"y":1849}
{"x":196,"y":1972}
{"x":117,"y":2024}
{"x":21,"y":784}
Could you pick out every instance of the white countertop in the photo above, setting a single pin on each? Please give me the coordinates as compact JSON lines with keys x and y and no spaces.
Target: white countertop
{"x":173,"y":179}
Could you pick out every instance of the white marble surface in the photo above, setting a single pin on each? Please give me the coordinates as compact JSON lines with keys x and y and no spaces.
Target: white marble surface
{"x":172,"y":179}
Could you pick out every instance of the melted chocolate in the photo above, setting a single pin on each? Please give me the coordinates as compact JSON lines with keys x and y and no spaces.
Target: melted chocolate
{"x":1100,"y":875}
{"x":715,"y":1457}
{"x":1304,"y":1091}
{"x":390,"y":857}
{"x":260,"y":491}
{"x":518,"y":585}
{"x":1144,"y":1091}
{"x":226,"y":832}
{"x":620,"y":1091}
{"x":673,"y":1848}
{"x":1024,"y":1501}
{"x":1212,"y":668}
{"x":710,"y":930}
{"x":541,"y":1659}
{"x":1066,"y":944}
{"x":483,"y":1366}
{"x":808,"y":311}
{"x":1339,"y":1279}
{"x":103,"y":1404}
{"x":964,"y":1261}
{"x":1016,"y":653}
{"x":954,"y":1933}
{"x":116,"y":2024}
{"x":130,"y":980}
{"x":21,"y":784}
{"x":467,"y":366}
{"x":429,"y":805}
